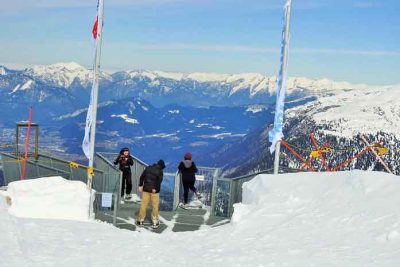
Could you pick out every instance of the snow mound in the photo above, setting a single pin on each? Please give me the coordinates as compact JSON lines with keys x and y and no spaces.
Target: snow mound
{"x":49,"y":198}
{"x":308,"y":219}
{"x":343,"y":218}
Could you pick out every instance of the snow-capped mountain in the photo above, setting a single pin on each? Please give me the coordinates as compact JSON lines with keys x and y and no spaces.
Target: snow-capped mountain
{"x":224,"y":108}
{"x":336,"y":120}
{"x":63,"y":74}
{"x":163,"y":88}
{"x":3,"y":70}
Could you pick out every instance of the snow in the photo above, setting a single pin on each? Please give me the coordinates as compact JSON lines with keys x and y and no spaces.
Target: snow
{"x":16,"y":88}
{"x":27,"y":85}
{"x":64,"y":74}
{"x":255,"y":109}
{"x":126,"y":118}
{"x":307,"y":219}
{"x":350,"y":112}
{"x":170,"y":75}
{"x":207,"y":77}
{"x":207,"y":125}
{"x":2,"y":71}
{"x":171,"y":136}
{"x":254,"y":83}
{"x":222,"y":135}
{"x":49,"y":198}
{"x":80,"y":111}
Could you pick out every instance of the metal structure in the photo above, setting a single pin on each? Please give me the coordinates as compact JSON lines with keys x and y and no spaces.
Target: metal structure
{"x":219,"y":194}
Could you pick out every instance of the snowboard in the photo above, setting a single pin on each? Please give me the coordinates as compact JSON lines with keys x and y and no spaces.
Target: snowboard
{"x":190,"y":206}
{"x":148,"y":226}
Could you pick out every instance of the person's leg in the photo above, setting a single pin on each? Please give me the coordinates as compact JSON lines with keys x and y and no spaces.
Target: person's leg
{"x":191,"y":186}
{"x":143,"y":206}
{"x":155,"y":202}
{"x":185,"y":192}
{"x":128,"y":183}
{"x":123,"y":185}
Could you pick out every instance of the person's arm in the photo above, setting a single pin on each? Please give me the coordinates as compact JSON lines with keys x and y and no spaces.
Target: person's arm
{"x":130,"y":161}
{"x":194,"y":167}
{"x":180,"y":167}
{"x":141,"y":180}
{"x":116,"y":161}
{"x":160,"y":179}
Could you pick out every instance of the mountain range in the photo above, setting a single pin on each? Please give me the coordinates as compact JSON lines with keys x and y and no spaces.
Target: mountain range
{"x":221,"y":118}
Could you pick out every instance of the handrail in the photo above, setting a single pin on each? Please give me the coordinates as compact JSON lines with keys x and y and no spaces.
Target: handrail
{"x":99,"y":154}
{"x":115,"y":153}
{"x":38,"y":164}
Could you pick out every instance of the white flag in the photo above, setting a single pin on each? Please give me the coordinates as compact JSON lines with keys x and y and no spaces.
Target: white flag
{"x":276,"y":134}
{"x":88,"y":126}
{"x":86,"y":143}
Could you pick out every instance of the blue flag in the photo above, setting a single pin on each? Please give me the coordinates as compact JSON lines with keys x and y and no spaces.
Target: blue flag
{"x":276,"y":134}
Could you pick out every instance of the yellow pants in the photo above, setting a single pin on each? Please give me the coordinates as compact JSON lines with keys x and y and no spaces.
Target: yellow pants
{"x":155,"y":201}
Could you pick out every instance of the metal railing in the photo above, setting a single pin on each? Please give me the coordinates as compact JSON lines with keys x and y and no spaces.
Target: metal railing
{"x":109,"y":213}
{"x":219,"y":193}
{"x":105,"y":162}
{"x":12,"y":169}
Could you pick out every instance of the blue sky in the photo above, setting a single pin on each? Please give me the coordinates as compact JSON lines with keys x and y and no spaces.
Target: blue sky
{"x":352,"y":40}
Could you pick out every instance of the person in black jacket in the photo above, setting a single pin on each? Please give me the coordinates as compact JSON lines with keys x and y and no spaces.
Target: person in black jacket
{"x":150,"y":185}
{"x":188,"y":170}
{"x":125,"y":162}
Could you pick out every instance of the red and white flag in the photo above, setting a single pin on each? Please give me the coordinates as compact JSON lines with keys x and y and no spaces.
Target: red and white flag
{"x":87,"y":143}
{"x":94,"y":30}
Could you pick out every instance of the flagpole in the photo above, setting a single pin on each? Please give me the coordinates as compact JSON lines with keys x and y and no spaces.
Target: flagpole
{"x":281,"y":87}
{"x":95,"y":91}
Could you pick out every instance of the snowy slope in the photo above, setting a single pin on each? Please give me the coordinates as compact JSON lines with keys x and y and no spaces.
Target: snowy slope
{"x":336,"y":119}
{"x":336,"y":219}
{"x":348,"y":113}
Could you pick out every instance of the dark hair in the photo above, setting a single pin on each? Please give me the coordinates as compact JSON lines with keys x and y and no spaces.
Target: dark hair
{"x":123,"y":150}
{"x":161,"y":163}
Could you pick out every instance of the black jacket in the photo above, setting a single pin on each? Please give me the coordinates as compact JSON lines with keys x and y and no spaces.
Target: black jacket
{"x":151,"y":178}
{"x":188,"y":170}
{"x":125,"y":163}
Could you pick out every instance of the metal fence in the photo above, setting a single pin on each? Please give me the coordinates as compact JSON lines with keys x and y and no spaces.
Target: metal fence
{"x":106,"y":213}
{"x":104,"y":181}
{"x":219,"y":193}
{"x":105,"y":162}
{"x":12,"y":169}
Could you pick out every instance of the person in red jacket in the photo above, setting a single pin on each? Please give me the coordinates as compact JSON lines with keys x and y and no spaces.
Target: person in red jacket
{"x":188,"y":170}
